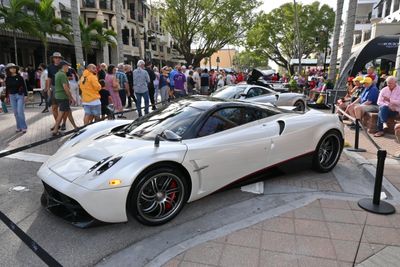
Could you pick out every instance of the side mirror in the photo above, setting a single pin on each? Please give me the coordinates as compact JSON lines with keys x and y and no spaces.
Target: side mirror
{"x":171,"y":136}
{"x":166,"y":135}
{"x":277,"y":97}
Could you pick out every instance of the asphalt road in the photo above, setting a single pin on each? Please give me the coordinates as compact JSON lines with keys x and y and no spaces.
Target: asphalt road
{"x":136,"y":245}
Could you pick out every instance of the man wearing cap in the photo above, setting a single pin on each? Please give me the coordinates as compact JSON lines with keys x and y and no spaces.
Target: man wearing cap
{"x":367,"y":102}
{"x":389,"y":104}
{"x":52,"y":70}
{"x":63,"y":96}
{"x":141,"y":79}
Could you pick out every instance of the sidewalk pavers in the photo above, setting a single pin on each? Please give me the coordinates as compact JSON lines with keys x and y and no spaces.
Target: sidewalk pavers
{"x":325,"y":232}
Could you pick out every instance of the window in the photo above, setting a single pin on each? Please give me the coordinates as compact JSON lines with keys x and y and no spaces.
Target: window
{"x":256,"y":91}
{"x":105,"y":24}
{"x":89,"y":3}
{"x":90,"y":20}
{"x":125,"y":36}
{"x":133,"y":37}
{"x":132,"y":10}
{"x":228,"y":118}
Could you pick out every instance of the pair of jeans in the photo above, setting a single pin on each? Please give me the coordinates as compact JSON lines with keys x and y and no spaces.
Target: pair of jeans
{"x":122,"y":95}
{"x":18,"y":105}
{"x":384,"y":113}
{"x":151,"y":94}
{"x":164,"y":94}
{"x":145,"y":96}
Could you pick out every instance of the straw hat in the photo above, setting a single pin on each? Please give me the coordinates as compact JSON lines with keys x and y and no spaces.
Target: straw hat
{"x":56,"y":54}
{"x":12,"y":65}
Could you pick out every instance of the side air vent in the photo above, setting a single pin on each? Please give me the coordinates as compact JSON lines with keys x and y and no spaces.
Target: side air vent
{"x":281,"y":126}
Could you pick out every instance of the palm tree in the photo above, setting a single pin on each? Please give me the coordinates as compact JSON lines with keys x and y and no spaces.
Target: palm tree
{"x":335,"y":45}
{"x":120,"y":44}
{"x":77,"y":35}
{"x":15,"y":18}
{"x":47,"y":24}
{"x":94,"y":35}
{"x":349,"y":33}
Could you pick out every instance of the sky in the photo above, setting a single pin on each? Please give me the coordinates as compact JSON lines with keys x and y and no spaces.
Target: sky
{"x":268,"y":5}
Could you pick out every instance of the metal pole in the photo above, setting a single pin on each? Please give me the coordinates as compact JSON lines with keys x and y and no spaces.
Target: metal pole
{"x":379,"y":176}
{"x":356,"y":139}
{"x":375,"y":205}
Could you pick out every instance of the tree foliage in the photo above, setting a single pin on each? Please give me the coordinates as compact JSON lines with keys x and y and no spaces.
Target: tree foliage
{"x":95,"y":35}
{"x":250,"y":59}
{"x":47,"y":24}
{"x":202,"y":27}
{"x":274,"y":33}
{"x":14,"y":18}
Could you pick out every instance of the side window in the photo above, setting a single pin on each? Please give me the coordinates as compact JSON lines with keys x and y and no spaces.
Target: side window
{"x":228,"y":118}
{"x":255,"y":91}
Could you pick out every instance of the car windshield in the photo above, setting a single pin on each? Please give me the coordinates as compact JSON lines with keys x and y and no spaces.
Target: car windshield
{"x":176,"y":117}
{"x":229,"y":92}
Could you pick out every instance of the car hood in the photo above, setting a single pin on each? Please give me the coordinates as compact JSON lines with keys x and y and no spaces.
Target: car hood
{"x":73,"y":162}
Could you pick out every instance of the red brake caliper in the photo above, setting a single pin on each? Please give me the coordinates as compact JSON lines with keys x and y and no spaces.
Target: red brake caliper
{"x":172,"y":195}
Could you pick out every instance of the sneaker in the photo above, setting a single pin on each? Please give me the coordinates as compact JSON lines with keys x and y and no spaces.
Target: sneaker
{"x":385,"y":126}
{"x":24,"y":131}
{"x":18,"y":130}
{"x":45,"y":110}
{"x":63,"y":128}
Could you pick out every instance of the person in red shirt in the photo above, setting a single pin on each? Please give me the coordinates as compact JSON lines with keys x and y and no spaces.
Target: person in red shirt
{"x":240,"y":77}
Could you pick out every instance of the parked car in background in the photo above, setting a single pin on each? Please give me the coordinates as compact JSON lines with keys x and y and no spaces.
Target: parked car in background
{"x":256,"y":93}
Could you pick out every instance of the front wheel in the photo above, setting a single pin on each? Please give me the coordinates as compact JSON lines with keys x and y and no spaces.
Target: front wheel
{"x":328,"y":152}
{"x":159,"y":196}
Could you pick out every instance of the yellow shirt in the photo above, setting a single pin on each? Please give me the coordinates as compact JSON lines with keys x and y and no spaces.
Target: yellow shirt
{"x":90,"y":87}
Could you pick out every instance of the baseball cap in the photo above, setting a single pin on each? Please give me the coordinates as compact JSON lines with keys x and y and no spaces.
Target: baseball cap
{"x":367,"y":80}
{"x":63,"y":63}
{"x":358,"y":79}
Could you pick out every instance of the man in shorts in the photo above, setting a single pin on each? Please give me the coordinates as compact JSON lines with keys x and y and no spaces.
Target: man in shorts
{"x":52,"y":69}
{"x":367,"y":102}
{"x":63,"y":97}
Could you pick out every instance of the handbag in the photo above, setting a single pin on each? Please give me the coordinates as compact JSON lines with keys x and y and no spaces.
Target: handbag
{"x":115,"y":85}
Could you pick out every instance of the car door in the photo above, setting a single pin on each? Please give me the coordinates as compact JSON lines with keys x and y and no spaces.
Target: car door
{"x":231,"y":145}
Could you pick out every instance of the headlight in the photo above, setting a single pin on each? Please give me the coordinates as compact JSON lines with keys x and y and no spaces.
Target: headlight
{"x":105,"y":165}
{"x":81,"y":131}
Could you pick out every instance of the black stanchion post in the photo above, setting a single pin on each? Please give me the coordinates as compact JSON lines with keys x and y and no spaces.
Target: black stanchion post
{"x":376,"y":205}
{"x":357,"y":139}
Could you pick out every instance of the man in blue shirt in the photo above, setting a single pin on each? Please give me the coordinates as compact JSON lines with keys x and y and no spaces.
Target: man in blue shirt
{"x":367,"y":102}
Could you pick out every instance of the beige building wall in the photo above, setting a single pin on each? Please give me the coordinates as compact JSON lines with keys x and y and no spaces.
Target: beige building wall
{"x":226,"y":57}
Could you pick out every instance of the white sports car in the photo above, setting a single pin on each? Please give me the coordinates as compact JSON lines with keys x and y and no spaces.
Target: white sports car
{"x":256,"y":93}
{"x":151,"y":167}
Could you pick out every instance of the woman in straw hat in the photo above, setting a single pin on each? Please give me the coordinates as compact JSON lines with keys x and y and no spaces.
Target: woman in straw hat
{"x":16,"y":93}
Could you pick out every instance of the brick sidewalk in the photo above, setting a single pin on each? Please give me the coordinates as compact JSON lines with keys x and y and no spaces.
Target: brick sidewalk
{"x":323,"y":233}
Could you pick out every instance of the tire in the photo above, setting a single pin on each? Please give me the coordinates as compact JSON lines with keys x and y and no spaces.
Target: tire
{"x":159,"y":196}
{"x":300,"y":105}
{"x":328,"y":152}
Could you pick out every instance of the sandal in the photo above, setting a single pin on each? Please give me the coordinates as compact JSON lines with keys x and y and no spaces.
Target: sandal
{"x":379,"y":134}
{"x":56,"y":134}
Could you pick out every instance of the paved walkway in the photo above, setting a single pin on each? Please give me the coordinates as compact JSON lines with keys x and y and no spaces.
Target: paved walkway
{"x":324,"y":233}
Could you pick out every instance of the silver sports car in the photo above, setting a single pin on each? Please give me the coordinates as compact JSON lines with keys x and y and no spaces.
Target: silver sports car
{"x":255,"y":93}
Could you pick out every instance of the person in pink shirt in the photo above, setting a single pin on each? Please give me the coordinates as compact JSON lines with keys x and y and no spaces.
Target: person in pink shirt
{"x":389,"y":104}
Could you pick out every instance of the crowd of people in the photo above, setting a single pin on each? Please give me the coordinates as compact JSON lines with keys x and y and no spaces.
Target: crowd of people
{"x":103,"y":90}
{"x":369,"y":94}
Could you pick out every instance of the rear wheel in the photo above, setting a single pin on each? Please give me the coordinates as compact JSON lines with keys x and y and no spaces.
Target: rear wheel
{"x":300,"y":106}
{"x":328,"y":152}
{"x":159,"y":196}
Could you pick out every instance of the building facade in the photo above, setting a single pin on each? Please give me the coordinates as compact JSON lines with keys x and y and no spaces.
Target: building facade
{"x":374,"y":18}
{"x":141,"y":32}
{"x":222,"y":59}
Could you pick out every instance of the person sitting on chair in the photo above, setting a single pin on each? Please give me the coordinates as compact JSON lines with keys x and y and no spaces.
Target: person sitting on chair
{"x":389,"y":104}
{"x":367,"y":102}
